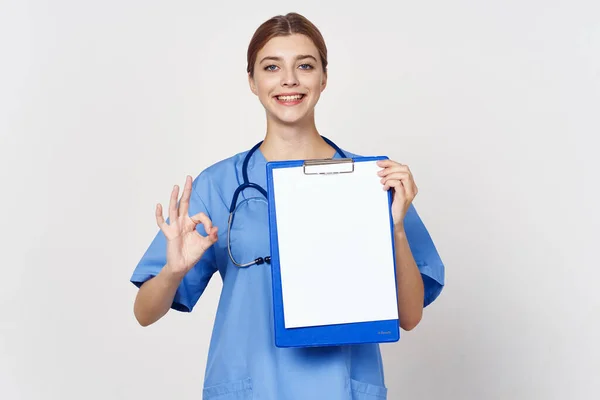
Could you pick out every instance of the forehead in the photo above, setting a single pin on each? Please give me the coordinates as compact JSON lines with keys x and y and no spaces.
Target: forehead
{"x":288,"y":46}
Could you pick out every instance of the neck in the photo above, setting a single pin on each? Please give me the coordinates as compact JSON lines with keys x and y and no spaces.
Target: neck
{"x":294,"y":142}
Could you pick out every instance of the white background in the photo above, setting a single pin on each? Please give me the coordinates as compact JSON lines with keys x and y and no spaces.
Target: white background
{"x":494,"y":105}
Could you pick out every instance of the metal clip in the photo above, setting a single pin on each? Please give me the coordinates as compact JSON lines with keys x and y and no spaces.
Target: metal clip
{"x":328,"y":166}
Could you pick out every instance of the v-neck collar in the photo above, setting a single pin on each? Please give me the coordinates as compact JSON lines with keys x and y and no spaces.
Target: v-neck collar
{"x":259,"y":159}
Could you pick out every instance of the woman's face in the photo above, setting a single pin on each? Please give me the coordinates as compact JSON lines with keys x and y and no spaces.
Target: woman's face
{"x":288,"y":78}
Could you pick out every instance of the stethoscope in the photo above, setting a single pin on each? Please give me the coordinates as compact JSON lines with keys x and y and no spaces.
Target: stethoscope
{"x":247,"y":184}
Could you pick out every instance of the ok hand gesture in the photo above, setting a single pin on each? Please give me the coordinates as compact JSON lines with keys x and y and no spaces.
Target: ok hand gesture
{"x":185,"y":246}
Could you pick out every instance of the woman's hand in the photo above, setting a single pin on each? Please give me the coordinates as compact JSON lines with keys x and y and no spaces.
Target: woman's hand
{"x":399,"y":178}
{"x":185,"y":246}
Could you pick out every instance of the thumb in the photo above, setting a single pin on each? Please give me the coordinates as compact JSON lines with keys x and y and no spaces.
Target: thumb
{"x":213,"y":234}
{"x":211,"y":238}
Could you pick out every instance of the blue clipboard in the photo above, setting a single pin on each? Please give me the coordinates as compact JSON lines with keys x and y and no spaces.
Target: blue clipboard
{"x":334,"y":334}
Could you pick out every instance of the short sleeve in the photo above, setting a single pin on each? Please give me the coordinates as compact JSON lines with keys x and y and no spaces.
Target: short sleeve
{"x":425,"y":254}
{"x":195,"y":281}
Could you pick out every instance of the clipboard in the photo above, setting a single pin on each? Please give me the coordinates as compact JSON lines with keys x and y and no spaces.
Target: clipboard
{"x":332,"y":253}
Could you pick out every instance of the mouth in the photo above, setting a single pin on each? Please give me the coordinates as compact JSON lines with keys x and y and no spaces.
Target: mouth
{"x":290,"y":99}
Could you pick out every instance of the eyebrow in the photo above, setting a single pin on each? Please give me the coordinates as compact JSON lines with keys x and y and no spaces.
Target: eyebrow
{"x":300,"y":57}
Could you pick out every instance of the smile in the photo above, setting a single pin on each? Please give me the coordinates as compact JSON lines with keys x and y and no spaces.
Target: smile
{"x":290,"y":100}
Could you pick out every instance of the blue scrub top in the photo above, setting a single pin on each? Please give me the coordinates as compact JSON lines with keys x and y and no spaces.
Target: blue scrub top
{"x":243,"y":362}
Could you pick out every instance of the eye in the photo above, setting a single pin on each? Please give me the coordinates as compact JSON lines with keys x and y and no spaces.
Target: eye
{"x":268,"y":68}
{"x":306,"y":66}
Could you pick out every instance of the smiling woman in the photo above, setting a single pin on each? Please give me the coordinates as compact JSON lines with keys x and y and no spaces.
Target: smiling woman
{"x":287,"y":71}
{"x":286,"y":78}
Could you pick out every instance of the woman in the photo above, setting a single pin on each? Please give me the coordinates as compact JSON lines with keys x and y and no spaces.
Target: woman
{"x":287,"y":70}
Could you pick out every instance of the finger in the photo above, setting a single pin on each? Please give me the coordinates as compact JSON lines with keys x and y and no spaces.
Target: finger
{"x":405,"y":177}
{"x":211,"y":238}
{"x":399,"y":176}
{"x":394,"y":168}
{"x":386,"y":163}
{"x":409,"y":189}
{"x":395,"y":184}
{"x":173,"y":203}
{"x":203,"y":219}
{"x":160,"y":220}
{"x":185,"y":198}
{"x":213,"y":235}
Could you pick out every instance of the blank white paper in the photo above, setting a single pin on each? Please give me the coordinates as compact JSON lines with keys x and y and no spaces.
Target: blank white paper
{"x":335,"y":246}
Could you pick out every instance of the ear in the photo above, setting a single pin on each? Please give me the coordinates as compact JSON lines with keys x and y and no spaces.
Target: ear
{"x":252,"y":84}
{"x":324,"y":82}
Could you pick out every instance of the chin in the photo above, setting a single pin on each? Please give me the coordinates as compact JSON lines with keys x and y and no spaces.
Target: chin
{"x":289,"y":119}
{"x":286,"y":116}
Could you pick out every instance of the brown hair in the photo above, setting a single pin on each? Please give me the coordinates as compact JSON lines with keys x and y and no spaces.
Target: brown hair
{"x":285,"y":25}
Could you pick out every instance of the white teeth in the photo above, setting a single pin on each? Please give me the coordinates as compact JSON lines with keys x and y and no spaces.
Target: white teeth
{"x":290,"y":98}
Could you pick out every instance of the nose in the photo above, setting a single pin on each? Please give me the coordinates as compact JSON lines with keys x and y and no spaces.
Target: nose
{"x":289,"y":78}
